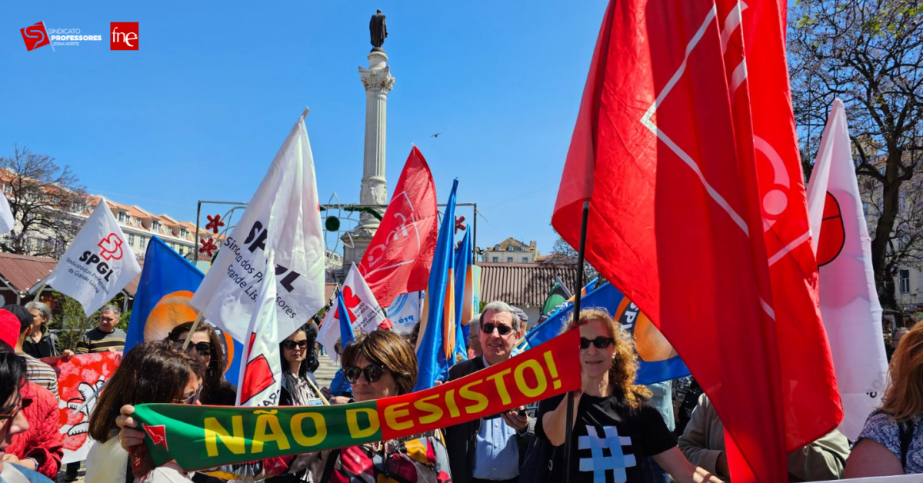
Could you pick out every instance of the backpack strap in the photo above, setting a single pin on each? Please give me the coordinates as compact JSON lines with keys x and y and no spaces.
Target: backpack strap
{"x":906,"y":436}
{"x":332,"y":458}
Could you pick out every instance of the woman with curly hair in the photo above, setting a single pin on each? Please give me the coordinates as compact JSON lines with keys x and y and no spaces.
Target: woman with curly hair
{"x":206,"y":345}
{"x":891,"y":443}
{"x":612,"y":412}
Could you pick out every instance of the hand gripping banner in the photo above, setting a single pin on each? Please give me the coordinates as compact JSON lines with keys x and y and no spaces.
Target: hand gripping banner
{"x":208,"y":436}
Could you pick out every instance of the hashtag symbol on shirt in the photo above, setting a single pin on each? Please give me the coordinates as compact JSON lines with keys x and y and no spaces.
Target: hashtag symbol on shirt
{"x":599,"y":463}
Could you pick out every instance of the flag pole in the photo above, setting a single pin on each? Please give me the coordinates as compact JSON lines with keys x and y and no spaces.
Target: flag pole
{"x":568,"y":429}
{"x":195,"y":325}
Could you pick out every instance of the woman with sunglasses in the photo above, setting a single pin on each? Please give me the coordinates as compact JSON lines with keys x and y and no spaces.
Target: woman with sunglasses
{"x":152,"y":372}
{"x":610,"y":408}
{"x":379,"y":365}
{"x":206,"y":345}
{"x":298,"y":362}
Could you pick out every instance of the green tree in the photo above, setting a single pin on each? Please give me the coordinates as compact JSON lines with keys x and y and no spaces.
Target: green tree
{"x":867,"y":53}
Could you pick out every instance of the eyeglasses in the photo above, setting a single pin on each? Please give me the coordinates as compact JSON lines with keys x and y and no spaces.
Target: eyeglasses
{"x":10,"y":416}
{"x":203,"y":348}
{"x":599,"y":342}
{"x":190,"y":399}
{"x":373,"y":373}
{"x":290,"y":344}
{"x":501,"y":329}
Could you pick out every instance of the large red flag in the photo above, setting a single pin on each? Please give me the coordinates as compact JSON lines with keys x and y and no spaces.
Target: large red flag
{"x":400,"y":254}
{"x":686,"y":221}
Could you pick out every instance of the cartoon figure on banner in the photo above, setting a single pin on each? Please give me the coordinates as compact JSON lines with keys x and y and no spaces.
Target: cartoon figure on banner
{"x":84,"y":405}
{"x":80,"y":381}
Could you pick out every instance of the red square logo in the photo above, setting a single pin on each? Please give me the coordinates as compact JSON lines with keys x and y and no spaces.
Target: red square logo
{"x":35,"y":36}
{"x":123,"y":35}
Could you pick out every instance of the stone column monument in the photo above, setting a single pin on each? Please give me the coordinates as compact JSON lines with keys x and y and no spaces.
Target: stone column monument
{"x":378,"y":82}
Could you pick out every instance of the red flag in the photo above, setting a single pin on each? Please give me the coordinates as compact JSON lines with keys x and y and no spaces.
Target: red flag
{"x":665,"y":150}
{"x":400,"y":254}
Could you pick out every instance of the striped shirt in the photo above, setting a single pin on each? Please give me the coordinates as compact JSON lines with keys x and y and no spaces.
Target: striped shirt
{"x":41,"y":374}
{"x":98,"y":341}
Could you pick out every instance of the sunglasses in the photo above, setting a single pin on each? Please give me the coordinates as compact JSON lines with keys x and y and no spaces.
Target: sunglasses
{"x":373,"y":373}
{"x":501,"y":329}
{"x":290,"y":344}
{"x":190,"y":399}
{"x":203,"y":348}
{"x":599,"y":342}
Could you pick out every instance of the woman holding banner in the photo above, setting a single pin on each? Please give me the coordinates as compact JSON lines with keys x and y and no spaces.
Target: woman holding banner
{"x":378,"y":365}
{"x":152,"y":372}
{"x":610,"y":412}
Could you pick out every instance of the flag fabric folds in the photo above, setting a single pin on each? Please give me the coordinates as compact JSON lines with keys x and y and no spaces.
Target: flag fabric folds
{"x":287,"y":199}
{"x":698,"y":213}
{"x":98,"y":264}
{"x":400,"y":254}
{"x":163,"y":301}
{"x":848,"y":297}
{"x":463,"y":305}
{"x":364,"y":312}
{"x":436,"y":342}
{"x":346,"y":328}
{"x":261,"y":378}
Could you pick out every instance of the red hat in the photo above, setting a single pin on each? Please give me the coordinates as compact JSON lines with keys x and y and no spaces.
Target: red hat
{"x":9,"y":327}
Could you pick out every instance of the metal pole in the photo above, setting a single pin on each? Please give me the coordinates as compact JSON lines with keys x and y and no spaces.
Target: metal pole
{"x":195,"y":243}
{"x":568,"y":429}
{"x":474,"y":235}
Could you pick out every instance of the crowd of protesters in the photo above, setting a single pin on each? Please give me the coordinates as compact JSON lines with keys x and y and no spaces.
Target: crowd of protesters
{"x":667,"y":431}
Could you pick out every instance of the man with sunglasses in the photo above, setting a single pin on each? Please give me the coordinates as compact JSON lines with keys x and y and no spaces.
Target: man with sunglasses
{"x":490,"y":449}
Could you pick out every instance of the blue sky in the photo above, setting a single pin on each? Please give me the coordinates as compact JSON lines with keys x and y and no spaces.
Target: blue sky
{"x":199,"y":111}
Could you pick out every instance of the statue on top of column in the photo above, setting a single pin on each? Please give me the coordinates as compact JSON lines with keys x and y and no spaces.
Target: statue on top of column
{"x":379,"y":31}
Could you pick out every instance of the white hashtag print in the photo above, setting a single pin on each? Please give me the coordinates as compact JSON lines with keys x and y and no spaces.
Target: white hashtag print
{"x":599,"y":463}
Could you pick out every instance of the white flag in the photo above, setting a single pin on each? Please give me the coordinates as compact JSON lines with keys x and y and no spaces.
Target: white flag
{"x":261,"y":378}
{"x":404,"y":312}
{"x":364,"y":311}
{"x":848,"y":299}
{"x":288,"y":197}
{"x":7,"y":223}
{"x":97,"y":264}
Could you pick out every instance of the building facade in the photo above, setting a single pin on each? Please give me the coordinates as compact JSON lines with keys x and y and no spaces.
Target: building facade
{"x":510,"y":250}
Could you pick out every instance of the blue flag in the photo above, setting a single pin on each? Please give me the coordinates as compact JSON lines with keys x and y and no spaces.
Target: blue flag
{"x":647,"y":341}
{"x":462,"y":265}
{"x":166,"y":286}
{"x":436,"y":343}
{"x":346,"y":326}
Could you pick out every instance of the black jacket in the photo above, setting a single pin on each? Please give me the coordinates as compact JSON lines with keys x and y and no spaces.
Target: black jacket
{"x":461,"y":438}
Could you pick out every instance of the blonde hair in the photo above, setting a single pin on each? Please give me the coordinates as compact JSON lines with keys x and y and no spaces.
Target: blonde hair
{"x":903,"y":397}
{"x":624,"y":368}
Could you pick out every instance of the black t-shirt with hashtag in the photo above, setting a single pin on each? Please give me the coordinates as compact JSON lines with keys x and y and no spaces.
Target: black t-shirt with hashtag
{"x":610,"y":439}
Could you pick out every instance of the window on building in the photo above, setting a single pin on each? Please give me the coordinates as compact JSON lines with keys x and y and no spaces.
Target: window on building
{"x":525,"y":259}
{"x":142,"y":242}
{"x":495,"y":259}
{"x":131,"y":239}
{"x":182,"y":232}
{"x":509,"y":259}
{"x":156,"y":225}
{"x":905,"y":281}
{"x":122,"y":217}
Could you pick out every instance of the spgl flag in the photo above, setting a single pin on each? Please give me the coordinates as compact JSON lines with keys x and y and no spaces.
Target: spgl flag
{"x":436,"y":342}
{"x":287,"y":196}
{"x":364,"y":312}
{"x":261,"y":379}
{"x":848,"y":298}
{"x":98,"y":264}
{"x":717,"y":204}
{"x":400,"y":254}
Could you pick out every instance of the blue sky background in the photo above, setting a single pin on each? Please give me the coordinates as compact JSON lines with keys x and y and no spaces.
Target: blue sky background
{"x":199,"y":111}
